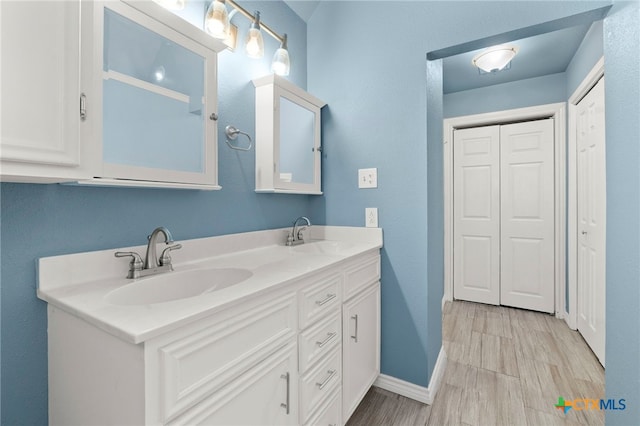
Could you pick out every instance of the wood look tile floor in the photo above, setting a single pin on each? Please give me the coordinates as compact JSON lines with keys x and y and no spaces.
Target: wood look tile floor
{"x":505,"y":366}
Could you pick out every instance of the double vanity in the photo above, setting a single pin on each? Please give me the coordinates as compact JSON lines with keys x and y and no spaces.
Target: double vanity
{"x":244,"y":330}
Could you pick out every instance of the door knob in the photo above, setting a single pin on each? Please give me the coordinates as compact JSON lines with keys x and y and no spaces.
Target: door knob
{"x":584,"y":232}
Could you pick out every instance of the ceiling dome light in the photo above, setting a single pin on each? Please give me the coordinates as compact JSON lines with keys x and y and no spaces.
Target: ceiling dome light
{"x":255,"y":44}
{"x":495,"y":58}
{"x":281,"y":64}
{"x":216,"y":21}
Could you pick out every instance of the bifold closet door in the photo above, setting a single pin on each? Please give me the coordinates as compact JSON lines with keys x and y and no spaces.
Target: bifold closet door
{"x":592,"y":211}
{"x":527,"y":262}
{"x":476,"y":210}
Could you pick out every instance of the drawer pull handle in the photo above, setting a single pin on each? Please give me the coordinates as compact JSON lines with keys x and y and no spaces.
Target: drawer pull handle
{"x":327,"y":299}
{"x":327,"y":340}
{"x":286,"y":405}
{"x":325,"y":381}
{"x":355,"y":337}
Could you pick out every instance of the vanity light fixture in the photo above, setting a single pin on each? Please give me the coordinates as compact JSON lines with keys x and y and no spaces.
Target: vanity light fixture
{"x":216,"y":21}
{"x":494,"y":59}
{"x":217,"y":18}
{"x":254,"y":46}
{"x":281,"y":64}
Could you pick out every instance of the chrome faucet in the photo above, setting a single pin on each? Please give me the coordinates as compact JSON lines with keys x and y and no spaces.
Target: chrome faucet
{"x":296,"y":237}
{"x":151,"y":263}
{"x":151,"y":258}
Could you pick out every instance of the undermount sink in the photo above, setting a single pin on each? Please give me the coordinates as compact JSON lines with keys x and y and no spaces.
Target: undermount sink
{"x":176,"y":285}
{"x":323,"y":247}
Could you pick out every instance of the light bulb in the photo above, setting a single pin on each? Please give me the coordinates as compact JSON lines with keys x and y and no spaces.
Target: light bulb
{"x":216,"y":21}
{"x":255,"y":44}
{"x":281,"y":64}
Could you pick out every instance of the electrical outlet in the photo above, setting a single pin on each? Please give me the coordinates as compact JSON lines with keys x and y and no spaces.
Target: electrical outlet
{"x":371,"y":217}
{"x":368,"y":178}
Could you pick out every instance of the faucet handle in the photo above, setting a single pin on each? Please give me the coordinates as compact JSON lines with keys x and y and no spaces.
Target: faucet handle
{"x":135,"y":266}
{"x":165,"y":257}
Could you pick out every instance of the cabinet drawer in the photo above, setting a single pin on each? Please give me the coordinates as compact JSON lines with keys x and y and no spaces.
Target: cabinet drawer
{"x":319,"y":298}
{"x":264,"y":395}
{"x":319,"y":383}
{"x":329,"y":413}
{"x":361,"y":273}
{"x":191,"y":366}
{"x":319,"y":340}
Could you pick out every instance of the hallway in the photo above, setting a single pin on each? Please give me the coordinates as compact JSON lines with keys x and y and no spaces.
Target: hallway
{"x":505,"y":366}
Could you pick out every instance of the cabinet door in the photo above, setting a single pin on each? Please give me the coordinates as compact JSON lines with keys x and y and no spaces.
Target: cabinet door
{"x":40,"y":46}
{"x":267,"y":394}
{"x":158,"y":94}
{"x":288,"y":150}
{"x":361,"y":347}
{"x":297,"y":147}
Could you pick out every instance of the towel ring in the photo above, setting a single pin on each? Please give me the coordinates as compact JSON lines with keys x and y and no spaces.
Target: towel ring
{"x":232,"y":134}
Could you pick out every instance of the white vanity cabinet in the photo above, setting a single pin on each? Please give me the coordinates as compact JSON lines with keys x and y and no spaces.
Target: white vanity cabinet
{"x":320,"y":344}
{"x":361,"y":331}
{"x":151,"y":100}
{"x":288,"y":144}
{"x":40,"y":44}
{"x":239,"y":366}
{"x":303,"y":351}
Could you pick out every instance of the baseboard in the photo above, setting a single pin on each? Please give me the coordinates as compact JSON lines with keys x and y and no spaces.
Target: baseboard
{"x":410,"y":390}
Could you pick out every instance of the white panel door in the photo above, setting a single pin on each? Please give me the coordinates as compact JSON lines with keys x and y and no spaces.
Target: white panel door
{"x":591,"y":218}
{"x":527,"y":215}
{"x":476,"y":210}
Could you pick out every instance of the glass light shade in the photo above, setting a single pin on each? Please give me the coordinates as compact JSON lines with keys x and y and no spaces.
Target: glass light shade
{"x":171,"y":4}
{"x":216,"y":21}
{"x":281,"y":64}
{"x":255,"y":44}
{"x":495,"y":58}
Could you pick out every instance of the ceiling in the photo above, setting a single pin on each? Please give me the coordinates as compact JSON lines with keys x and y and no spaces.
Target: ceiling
{"x":303,"y":8}
{"x":544,"y":54}
{"x":540,"y":55}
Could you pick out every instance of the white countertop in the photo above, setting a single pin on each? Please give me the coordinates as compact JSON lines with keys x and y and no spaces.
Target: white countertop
{"x":78,"y":283}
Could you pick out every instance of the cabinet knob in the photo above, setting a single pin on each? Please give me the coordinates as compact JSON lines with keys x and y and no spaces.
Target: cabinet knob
{"x":213,"y":116}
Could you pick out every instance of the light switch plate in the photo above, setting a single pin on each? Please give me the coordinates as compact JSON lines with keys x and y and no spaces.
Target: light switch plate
{"x":368,"y":178}
{"x":371,"y":217}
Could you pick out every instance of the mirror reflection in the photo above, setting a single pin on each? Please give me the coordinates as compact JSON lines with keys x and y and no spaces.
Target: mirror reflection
{"x":296,"y":142}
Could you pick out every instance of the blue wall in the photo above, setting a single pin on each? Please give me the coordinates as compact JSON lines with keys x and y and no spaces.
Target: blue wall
{"x":548,"y":89}
{"x":385,"y":111}
{"x":588,"y":54}
{"x":46,"y":220}
{"x":622,"y":108}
